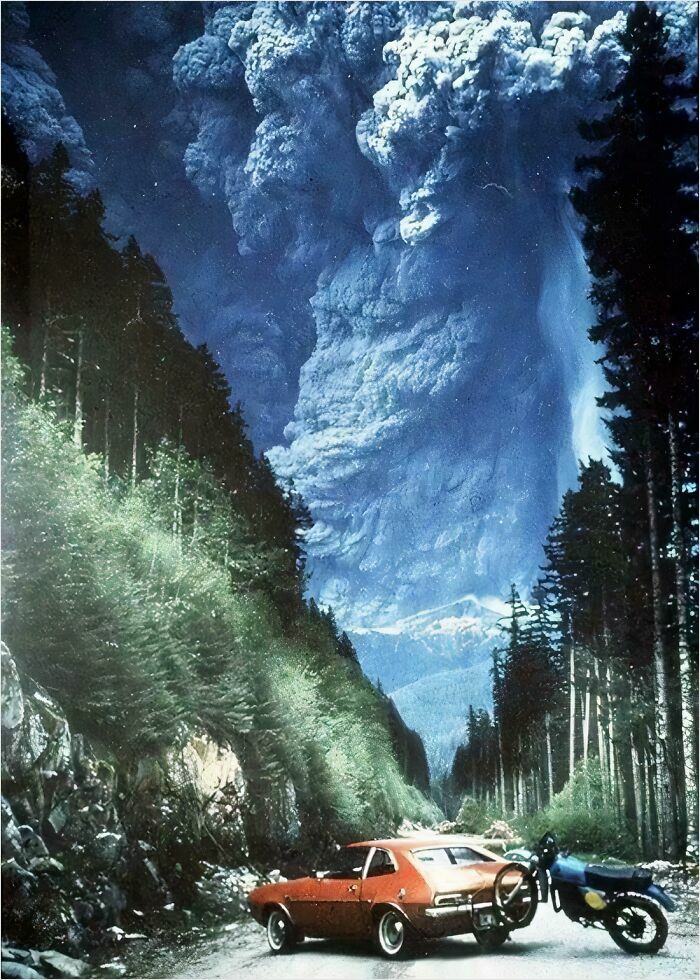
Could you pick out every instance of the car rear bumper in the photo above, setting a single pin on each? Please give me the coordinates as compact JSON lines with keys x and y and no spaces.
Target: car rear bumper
{"x":447,"y":911}
{"x":439,"y":911}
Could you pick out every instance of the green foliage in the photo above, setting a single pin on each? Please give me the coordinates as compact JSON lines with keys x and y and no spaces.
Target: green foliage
{"x":579,"y":820}
{"x":135,"y":612}
{"x":475,"y":816}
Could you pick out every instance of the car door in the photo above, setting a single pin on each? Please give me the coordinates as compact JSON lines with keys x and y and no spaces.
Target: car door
{"x":301,"y":899}
{"x":337,"y":896}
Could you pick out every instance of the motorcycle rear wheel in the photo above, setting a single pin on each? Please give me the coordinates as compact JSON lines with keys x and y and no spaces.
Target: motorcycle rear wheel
{"x":637,"y":925}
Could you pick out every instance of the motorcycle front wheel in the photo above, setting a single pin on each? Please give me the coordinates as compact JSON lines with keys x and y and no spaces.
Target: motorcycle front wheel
{"x":637,"y":924}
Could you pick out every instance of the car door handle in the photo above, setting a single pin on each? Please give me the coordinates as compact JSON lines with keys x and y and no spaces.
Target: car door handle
{"x":352,"y":888}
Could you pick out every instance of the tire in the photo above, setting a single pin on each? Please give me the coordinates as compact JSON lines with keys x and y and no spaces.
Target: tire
{"x":281,"y":935}
{"x":490,"y":939}
{"x":393,"y":936}
{"x":637,"y":925}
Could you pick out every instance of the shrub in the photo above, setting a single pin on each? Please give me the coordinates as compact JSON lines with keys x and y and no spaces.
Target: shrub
{"x":579,"y":820}
{"x":474,"y":816}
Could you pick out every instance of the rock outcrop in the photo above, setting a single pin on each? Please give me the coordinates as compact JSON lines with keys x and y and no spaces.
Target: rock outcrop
{"x":93,"y":848}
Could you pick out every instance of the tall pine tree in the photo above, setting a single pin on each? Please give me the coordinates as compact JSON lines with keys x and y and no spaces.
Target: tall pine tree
{"x":639,"y":209}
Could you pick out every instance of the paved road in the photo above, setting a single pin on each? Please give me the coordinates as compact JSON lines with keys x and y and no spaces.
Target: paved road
{"x":552,"y":948}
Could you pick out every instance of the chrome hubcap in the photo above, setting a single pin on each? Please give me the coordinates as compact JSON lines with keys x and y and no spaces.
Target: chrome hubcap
{"x":391,"y":933}
{"x":276,"y":930}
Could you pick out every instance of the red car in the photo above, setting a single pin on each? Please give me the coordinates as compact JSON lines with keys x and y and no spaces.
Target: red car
{"x":400,"y":891}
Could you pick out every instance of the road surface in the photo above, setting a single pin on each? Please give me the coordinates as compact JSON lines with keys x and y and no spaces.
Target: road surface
{"x":552,"y":948}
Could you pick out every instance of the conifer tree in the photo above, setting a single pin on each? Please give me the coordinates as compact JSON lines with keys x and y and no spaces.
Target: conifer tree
{"x":639,"y":210}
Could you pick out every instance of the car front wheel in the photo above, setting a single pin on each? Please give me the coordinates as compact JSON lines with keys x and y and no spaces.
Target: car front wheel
{"x":392,"y":935}
{"x":280,"y":932}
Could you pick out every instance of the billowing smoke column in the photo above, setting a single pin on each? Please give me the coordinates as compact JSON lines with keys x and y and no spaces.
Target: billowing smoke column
{"x":33,"y":102}
{"x":406,"y":165}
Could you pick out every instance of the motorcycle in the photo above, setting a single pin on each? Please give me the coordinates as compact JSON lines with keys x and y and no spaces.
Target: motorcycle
{"x":623,"y":900}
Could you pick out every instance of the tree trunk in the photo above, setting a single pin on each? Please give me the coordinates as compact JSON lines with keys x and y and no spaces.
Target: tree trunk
{"x":654,"y":826}
{"x":521,"y":793}
{"x":600,"y":730}
{"x":195,"y":518}
{"x":43,"y":368}
{"x":664,"y":779}
{"x":135,"y":441}
{"x":78,"y":415}
{"x":572,"y":709}
{"x":550,"y":766}
{"x":106,"y":438}
{"x":501,"y":772}
{"x":636,"y":782}
{"x":177,"y":508}
{"x":615,"y":794}
{"x":586,"y":719}
{"x":685,"y":670}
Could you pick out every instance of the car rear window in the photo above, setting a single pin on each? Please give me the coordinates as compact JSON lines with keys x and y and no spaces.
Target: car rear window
{"x":450,"y":856}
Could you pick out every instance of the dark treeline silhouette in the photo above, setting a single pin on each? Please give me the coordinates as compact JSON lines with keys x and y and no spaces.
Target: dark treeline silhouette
{"x":596,"y":681}
{"x":112,"y":379}
{"x":95,"y":325}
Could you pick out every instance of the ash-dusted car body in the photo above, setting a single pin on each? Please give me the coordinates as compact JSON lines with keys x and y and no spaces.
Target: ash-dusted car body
{"x":434,"y":887}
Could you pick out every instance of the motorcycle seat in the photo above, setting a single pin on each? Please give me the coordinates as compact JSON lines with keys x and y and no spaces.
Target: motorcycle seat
{"x":624,"y":878}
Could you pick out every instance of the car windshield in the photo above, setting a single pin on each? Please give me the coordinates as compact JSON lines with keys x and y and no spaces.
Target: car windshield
{"x":347,"y":862}
{"x":450,"y":856}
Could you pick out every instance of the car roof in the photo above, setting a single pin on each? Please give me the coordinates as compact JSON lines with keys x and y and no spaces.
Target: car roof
{"x":403,"y":844}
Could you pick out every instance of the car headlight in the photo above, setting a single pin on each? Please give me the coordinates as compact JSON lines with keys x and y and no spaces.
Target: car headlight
{"x":450,"y":898}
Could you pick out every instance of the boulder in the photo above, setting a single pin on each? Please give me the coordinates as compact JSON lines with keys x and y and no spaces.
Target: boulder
{"x":63,"y":966}
{"x":33,"y":845}
{"x":107,"y":848}
{"x":18,"y":971}
{"x":11,"y":697}
{"x":11,"y":837}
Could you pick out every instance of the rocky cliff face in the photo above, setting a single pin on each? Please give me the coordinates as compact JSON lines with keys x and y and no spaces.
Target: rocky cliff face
{"x":93,"y":847}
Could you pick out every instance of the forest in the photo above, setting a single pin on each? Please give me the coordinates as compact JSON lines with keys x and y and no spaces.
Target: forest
{"x":594,"y":727}
{"x":154,"y":570}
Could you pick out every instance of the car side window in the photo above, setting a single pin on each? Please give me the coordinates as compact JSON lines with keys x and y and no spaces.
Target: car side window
{"x":381,"y":864}
{"x":438,"y":856}
{"x":348,"y":863}
{"x":443,"y":856}
{"x":465,"y":855}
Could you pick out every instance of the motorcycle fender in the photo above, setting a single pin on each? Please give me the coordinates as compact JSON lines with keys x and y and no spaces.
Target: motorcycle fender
{"x":661,"y":896}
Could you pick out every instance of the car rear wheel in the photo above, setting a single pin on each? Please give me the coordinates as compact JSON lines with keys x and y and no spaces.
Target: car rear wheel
{"x":281,"y":936}
{"x":392,"y":935}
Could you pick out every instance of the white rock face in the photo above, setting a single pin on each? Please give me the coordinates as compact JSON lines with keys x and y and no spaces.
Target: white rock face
{"x":12,"y":700}
{"x":209,"y":767}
